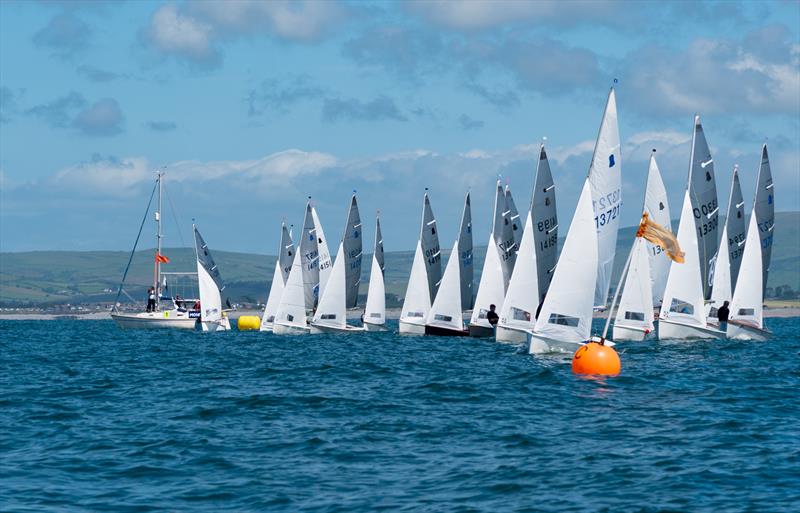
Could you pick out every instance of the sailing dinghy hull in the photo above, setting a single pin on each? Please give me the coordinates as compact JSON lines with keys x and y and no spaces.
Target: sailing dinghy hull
{"x":368,"y":326}
{"x":478,"y":331}
{"x":410,"y":328}
{"x":285,"y":329}
{"x":440,"y":331}
{"x":631,"y":333}
{"x":671,"y":330}
{"x":155,"y":320}
{"x":511,"y":334}
{"x":213,"y":326}
{"x":538,"y":344}
{"x":321,"y":329}
{"x":738,"y":331}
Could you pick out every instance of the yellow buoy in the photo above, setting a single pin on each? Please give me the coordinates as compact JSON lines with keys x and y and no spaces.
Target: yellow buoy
{"x":596,"y":358}
{"x":248,"y":323}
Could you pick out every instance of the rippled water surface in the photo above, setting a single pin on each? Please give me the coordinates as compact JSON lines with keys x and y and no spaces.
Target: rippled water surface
{"x":97,"y":419}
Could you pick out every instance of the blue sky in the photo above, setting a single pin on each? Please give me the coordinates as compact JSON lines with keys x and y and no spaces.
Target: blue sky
{"x":253,"y":106}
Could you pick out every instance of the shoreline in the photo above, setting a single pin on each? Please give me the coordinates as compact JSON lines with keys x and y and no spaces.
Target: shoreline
{"x":392,"y":314}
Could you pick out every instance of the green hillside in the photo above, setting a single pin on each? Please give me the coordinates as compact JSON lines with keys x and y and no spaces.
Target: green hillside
{"x":58,"y":277}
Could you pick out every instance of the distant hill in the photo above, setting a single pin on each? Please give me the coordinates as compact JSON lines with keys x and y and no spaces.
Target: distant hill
{"x":58,"y":277}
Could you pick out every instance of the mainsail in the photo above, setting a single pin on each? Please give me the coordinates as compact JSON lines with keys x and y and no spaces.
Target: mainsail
{"x":283,"y":265}
{"x":429,"y":241}
{"x":209,"y":281}
{"x":375,"y":309}
{"x":746,"y":305}
{"x":309,"y":260}
{"x":504,"y":233}
{"x":325,"y":262}
{"x":657,"y":208}
{"x":352,"y":254}
{"x":705,"y":208}
{"x":545,"y":220}
{"x":735,"y":228}
{"x":513,"y":216}
{"x":605,"y":177}
{"x":446,"y":308}
{"x":636,"y":303}
{"x":466,"y":267}
{"x":764,"y":210}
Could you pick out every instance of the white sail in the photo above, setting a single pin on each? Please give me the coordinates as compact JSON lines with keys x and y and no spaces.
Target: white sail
{"x":274,"y":298}
{"x":746,"y":305}
{"x":605,"y":177}
{"x":210,"y":286}
{"x":683,"y":296}
{"x":446,"y":309}
{"x":566,"y":314}
{"x":491,"y":289}
{"x":210,"y":300}
{"x":721,"y":291}
{"x":657,"y":208}
{"x":332,"y":310}
{"x":417,"y":303}
{"x":375,"y":310}
{"x":325,"y":263}
{"x":283,"y":265}
{"x":292,"y":307}
{"x":522,"y":298}
{"x":636,"y":304}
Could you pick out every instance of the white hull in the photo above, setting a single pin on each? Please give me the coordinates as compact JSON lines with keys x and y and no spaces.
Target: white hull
{"x":511,"y":334}
{"x":631,"y":333}
{"x":319,"y":329}
{"x":742,"y":332}
{"x":155,"y":320}
{"x":671,"y":330}
{"x":368,"y":326}
{"x":408,"y":328}
{"x":541,"y":345}
{"x":211,"y":327}
{"x":284,"y":329}
{"x":266,"y":326}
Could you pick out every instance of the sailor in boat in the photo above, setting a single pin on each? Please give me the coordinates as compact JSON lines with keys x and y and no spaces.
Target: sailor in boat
{"x":492,"y":316}
{"x":151,"y":299}
{"x":722,"y":314}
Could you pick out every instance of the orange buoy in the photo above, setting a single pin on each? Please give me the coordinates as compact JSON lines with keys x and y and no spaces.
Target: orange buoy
{"x":596,"y":358}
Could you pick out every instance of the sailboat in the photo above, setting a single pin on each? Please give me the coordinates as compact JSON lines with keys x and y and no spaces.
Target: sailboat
{"x":446,"y":313}
{"x":302,"y":286}
{"x":565,"y":320}
{"x":582,"y":275}
{"x":682,"y":314}
{"x":635,"y":319}
{"x":174,"y":316}
{"x":657,"y":207}
{"x":426,"y":274}
{"x":746,"y":321}
{"x":375,"y":309}
{"x":501,"y":253}
{"x":605,"y":177}
{"x":729,"y":256}
{"x":341,"y":291}
{"x":283,"y":265}
{"x":703,"y":196}
{"x":535,"y":262}
{"x":212,"y":316}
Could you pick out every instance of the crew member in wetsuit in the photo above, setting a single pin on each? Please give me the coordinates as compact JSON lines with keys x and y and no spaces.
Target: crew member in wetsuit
{"x":722,"y":314}
{"x":492,"y":316}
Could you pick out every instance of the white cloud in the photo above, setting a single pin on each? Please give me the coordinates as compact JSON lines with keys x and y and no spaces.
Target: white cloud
{"x":176,"y":33}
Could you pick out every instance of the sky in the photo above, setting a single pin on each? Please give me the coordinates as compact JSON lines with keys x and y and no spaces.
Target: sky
{"x":250,"y":107}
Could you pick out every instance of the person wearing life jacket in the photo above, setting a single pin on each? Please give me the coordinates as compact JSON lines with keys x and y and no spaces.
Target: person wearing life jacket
{"x":492,"y":316}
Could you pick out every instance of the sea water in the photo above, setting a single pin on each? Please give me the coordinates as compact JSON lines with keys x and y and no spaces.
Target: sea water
{"x":97,"y":419}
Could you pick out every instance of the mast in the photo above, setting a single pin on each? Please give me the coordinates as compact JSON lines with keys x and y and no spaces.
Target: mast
{"x":157,"y":273}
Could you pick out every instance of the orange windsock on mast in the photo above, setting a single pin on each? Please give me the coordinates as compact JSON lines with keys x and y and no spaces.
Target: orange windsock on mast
{"x":659,"y":235}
